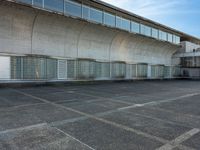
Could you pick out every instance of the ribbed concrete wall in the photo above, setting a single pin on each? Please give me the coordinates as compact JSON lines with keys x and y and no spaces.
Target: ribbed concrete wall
{"x":24,"y":30}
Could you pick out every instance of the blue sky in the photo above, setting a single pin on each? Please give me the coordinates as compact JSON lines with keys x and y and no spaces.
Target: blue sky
{"x":183,"y":15}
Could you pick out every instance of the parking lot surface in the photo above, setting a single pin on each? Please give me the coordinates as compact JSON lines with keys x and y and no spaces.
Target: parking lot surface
{"x":140,"y":115}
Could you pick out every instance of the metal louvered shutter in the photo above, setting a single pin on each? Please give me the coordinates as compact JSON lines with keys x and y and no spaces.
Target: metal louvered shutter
{"x":62,"y":69}
{"x":176,"y":71}
{"x":118,"y":70}
{"x":142,"y":70}
{"x":16,"y":68}
{"x":134,"y":70}
{"x":167,"y":72}
{"x":102,"y":70}
{"x":71,"y":69}
{"x":157,"y":71}
{"x":85,"y":69}
{"x":51,"y":68}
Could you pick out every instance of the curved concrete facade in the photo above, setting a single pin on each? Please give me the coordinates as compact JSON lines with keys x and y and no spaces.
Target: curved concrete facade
{"x":41,"y":33}
{"x":28,"y":31}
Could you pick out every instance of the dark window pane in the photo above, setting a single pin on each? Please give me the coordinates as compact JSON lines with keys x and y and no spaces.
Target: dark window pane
{"x":73,"y":8}
{"x":16,"y":68}
{"x":55,"y":5}
{"x":96,"y":15}
{"x":125,"y":24}
{"x":71,"y":69}
{"x":86,"y":12}
{"x":109,"y":19}
{"x":51,"y":68}
{"x":25,"y":1}
{"x":135,"y":27}
{"x":38,"y":3}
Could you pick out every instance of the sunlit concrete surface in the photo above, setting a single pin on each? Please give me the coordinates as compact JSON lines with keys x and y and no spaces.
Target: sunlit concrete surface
{"x":140,"y":115}
{"x":72,"y":38}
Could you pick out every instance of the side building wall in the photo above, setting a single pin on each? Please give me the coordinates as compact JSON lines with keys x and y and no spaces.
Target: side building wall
{"x":47,"y":46}
{"x":189,"y":59}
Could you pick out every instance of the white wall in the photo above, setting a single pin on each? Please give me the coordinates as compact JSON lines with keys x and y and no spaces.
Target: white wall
{"x":189,"y":47}
{"x":4,"y":67}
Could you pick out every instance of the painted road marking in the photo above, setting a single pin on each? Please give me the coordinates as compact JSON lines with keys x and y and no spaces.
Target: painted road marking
{"x":176,"y":142}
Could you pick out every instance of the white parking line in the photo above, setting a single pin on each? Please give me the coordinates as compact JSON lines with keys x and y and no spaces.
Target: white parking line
{"x":100,"y":119}
{"x":20,"y":106}
{"x":159,"y":102}
{"x":176,"y":142}
{"x":23,"y":128}
{"x":74,"y":138}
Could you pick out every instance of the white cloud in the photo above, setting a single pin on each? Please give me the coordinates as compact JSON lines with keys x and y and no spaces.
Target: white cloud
{"x":178,"y":14}
{"x":154,"y":8}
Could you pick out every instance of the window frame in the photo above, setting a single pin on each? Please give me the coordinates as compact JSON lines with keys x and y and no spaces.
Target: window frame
{"x":144,"y":28}
{"x":88,"y":8}
{"x":125,"y":21}
{"x":171,"y":37}
{"x":97,"y":10}
{"x":75,"y":4}
{"x":132,"y":29}
{"x":54,"y":9}
{"x":42,"y":5}
{"x":152,"y":31}
{"x":110,"y":15}
{"x":118,"y":18}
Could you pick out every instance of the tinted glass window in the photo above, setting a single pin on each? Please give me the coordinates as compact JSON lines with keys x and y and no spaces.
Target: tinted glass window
{"x":25,"y":1}
{"x":109,"y":19}
{"x":135,"y":27}
{"x":176,"y":39}
{"x":170,"y":38}
{"x":154,"y":33}
{"x":142,"y":29}
{"x":55,"y":5}
{"x":73,"y":8}
{"x":125,"y":24}
{"x":96,"y":15}
{"x":118,"y":22}
{"x":162,"y":35}
{"x":38,"y":3}
{"x":86,"y":12}
{"x":145,"y":30}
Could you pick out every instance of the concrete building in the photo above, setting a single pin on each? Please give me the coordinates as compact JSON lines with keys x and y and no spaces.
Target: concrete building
{"x":84,"y":40}
{"x":189,"y":58}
